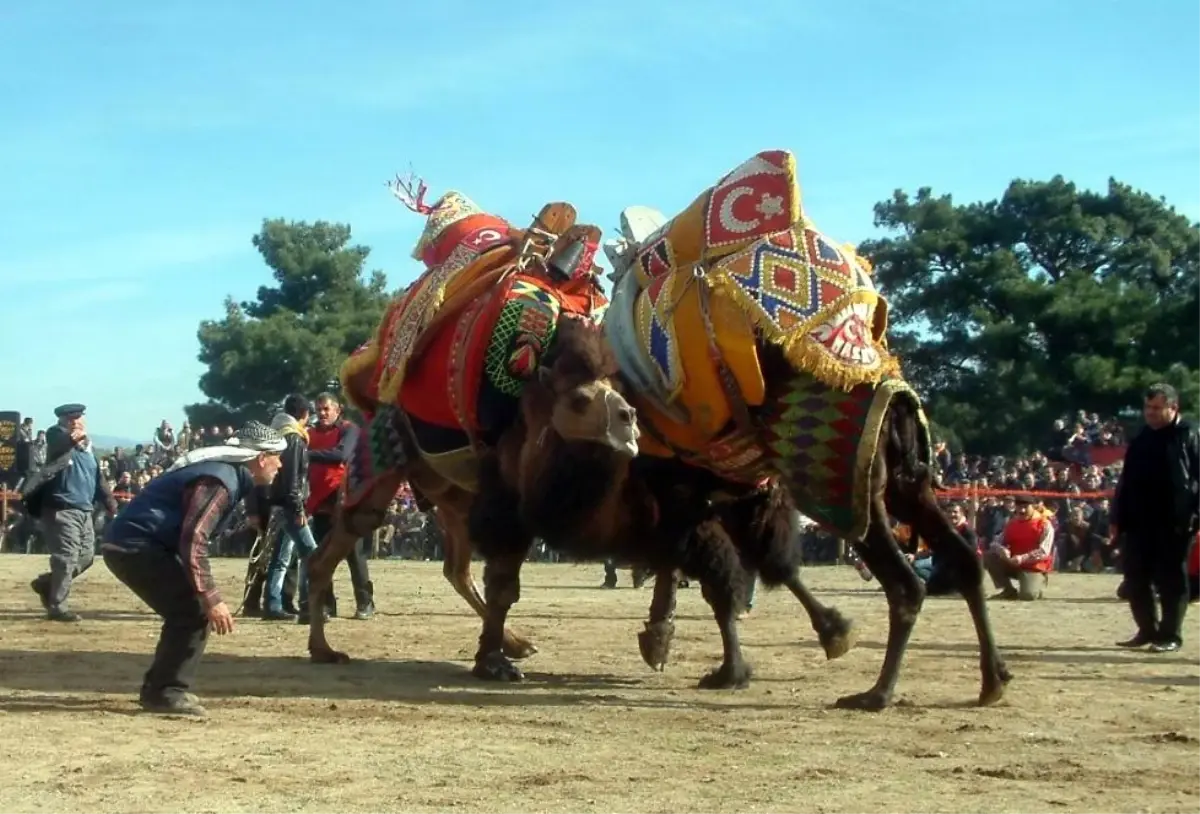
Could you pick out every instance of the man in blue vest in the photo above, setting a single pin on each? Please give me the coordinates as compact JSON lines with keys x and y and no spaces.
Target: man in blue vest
{"x":158,"y":547}
{"x":62,"y":495}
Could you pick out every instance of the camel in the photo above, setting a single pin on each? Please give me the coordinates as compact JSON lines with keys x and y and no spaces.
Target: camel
{"x":754,"y":347}
{"x":439,"y":381}
{"x":576,"y":416}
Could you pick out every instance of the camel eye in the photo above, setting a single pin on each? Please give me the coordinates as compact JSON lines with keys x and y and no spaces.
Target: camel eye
{"x":579,"y":402}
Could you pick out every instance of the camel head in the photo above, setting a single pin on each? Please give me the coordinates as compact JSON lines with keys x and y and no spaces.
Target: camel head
{"x":580,"y":389}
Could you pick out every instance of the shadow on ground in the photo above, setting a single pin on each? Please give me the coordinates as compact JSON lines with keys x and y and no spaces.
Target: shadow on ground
{"x":57,"y":675}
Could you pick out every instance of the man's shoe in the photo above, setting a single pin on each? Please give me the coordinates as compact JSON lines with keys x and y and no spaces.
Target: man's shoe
{"x":365,"y":612}
{"x":1164,"y":647}
{"x":277,"y":616}
{"x":63,"y":616}
{"x":183,"y":704}
{"x":41,"y":587}
{"x":1140,"y":640}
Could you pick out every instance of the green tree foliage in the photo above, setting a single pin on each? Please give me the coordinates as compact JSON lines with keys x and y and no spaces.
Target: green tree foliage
{"x":1010,"y":313}
{"x":295,"y":335}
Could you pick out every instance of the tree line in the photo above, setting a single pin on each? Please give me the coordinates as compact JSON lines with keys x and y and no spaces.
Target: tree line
{"x":1006,"y":314}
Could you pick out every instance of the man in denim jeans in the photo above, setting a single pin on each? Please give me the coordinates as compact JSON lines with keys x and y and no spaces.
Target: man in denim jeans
{"x":288,"y":494}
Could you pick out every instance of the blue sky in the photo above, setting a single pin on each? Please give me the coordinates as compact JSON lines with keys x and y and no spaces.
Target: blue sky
{"x":142,"y":144}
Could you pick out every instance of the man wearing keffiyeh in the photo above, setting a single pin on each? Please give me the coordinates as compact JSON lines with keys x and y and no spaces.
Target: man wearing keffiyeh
{"x":158,"y":547}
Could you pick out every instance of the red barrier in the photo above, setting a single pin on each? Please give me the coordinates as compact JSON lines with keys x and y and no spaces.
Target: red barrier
{"x":973,"y":491}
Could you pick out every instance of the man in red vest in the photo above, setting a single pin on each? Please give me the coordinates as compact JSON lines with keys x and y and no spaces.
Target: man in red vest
{"x":1024,"y":552}
{"x":330,"y":444}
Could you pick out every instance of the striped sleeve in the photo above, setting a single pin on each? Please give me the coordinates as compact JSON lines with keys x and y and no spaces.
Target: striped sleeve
{"x":204,"y":504}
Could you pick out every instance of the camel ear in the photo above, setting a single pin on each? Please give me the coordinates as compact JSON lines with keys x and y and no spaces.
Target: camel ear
{"x":543,"y":376}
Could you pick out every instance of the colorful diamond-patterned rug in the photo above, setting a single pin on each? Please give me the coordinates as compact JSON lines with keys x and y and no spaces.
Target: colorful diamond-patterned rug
{"x":824,"y":441}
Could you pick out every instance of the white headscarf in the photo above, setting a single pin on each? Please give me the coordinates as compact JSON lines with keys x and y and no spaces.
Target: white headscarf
{"x":245,"y":445}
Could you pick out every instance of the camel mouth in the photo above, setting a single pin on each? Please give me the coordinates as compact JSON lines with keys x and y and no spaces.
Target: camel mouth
{"x":623,"y":442}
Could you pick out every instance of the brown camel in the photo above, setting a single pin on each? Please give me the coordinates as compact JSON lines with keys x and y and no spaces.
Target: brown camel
{"x":756,"y":347}
{"x":575,"y":407}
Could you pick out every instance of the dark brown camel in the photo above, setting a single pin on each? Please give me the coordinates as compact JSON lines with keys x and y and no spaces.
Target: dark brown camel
{"x":900,"y":485}
{"x":578,"y":407}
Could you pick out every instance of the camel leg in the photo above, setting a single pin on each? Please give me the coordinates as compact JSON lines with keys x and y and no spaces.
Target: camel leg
{"x":501,"y":590}
{"x":494,"y":525}
{"x":948,"y":546}
{"x":655,"y":641}
{"x":456,"y":567}
{"x":905,"y":595}
{"x":713,"y":559}
{"x":348,"y":526}
{"x":764,"y":533}
{"x":836,"y":633}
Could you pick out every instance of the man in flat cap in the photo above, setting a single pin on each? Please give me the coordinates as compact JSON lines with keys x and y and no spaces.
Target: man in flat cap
{"x":62,"y":495}
{"x":158,"y":547}
{"x":1024,"y":552}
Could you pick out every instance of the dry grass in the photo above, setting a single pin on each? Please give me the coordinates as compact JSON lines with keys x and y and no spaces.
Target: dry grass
{"x":1085,"y":727}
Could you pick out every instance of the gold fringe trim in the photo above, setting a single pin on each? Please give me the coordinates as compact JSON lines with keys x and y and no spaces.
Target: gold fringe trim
{"x":868,"y":450}
{"x":801,"y":350}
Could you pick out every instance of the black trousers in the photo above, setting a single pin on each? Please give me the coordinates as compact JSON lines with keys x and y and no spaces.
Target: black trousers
{"x":159,"y":579}
{"x":1156,"y":561}
{"x":360,"y":575}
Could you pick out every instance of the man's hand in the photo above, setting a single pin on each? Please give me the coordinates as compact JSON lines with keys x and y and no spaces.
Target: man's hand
{"x":302,"y":520}
{"x":253,"y":521}
{"x":220,"y":618}
{"x":1113,"y":532}
{"x":76,"y":435}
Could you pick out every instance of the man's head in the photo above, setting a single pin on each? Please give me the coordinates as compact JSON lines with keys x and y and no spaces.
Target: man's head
{"x":296,"y":406}
{"x":1161,"y":405}
{"x":70,"y":417}
{"x":268,"y":443}
{"x":957,"y":516}
{"x":328,"y":409}
{"x":1026,"y":506}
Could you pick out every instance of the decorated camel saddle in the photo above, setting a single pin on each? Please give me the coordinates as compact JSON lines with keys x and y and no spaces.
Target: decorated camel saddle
{"x":454,"y":349}
{"x":698,"y":296}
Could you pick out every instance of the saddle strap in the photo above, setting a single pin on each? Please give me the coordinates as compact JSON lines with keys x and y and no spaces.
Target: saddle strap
{"x":457,"y":380}
{"x":737,"y":402}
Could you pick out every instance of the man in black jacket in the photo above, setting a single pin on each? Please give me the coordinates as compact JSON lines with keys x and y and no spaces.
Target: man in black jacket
{"x":288,"y":494}
{"x":1157,"y":508}
{"x":62,"y":495}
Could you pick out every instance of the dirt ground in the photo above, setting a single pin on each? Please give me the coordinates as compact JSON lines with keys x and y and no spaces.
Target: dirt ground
{"x":1085,"y":726}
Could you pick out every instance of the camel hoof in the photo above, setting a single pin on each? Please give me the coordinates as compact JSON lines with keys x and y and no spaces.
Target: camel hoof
{"x":655,"y":643}
{"x":838,"y":636}
{"x":726,"y":677}
{"x":869,"y":701}
{"x":328,"y":657}
{"x":993,"y":688}
{"x":517,"y":648}
{"x":495,"y":666}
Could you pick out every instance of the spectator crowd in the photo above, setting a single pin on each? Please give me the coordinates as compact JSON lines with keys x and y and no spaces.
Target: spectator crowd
{"x":1070,"y":488}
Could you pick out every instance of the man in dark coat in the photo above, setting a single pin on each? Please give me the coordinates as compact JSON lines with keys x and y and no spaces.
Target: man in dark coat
{"x":62,"y":495}
{"x":158,"y":547}
{"x":1156,"y":507}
